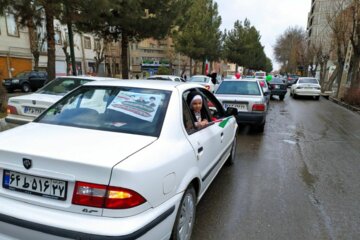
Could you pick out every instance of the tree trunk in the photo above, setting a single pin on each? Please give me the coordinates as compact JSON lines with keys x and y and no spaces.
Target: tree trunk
{"x":355,"y":81}
{"x":190,"y":67}
{"x":33,"y":43}
{"x":51,"y":43}
{"x":124,"y":55}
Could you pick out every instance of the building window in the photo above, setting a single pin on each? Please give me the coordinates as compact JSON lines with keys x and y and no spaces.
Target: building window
{"x":87,"y":42}
{"x":57,"y":37}
{"x":11,"y":25}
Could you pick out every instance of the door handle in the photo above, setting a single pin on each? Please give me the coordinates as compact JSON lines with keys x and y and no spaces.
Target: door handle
{"x":200,"y":149}
{"x":222,"y":134}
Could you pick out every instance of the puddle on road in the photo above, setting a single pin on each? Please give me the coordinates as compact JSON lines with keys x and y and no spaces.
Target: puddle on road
{"x":308,"y":178}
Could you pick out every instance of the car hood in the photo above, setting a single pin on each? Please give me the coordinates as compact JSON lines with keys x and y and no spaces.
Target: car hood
{"x":41,"y":100}
{"x":79,"y":152}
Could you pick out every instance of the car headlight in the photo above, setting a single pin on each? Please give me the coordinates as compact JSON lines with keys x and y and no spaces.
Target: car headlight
{"x":15,"y":81}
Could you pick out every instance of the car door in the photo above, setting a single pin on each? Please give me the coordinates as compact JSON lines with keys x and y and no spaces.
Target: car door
{"x":208,"y":142}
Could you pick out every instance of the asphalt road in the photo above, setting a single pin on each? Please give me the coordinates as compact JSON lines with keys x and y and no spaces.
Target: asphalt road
{"x":298,"y":180}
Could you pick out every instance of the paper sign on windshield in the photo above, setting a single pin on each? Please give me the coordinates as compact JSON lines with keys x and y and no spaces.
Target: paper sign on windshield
{"x":139,"y":105}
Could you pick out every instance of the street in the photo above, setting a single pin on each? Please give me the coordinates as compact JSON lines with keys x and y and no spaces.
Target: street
{"x":298,"y":180}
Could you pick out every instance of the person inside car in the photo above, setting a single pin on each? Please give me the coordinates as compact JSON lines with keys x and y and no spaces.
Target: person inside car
{"x":196,"y":106}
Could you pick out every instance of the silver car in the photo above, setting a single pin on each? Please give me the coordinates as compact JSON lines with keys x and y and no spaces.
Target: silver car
{"x":248,"y":97}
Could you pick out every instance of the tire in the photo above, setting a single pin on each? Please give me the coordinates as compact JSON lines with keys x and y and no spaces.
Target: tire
{"x":185,"y":217}
{"x":259,"y":128}
{"x":232,"y":158}
{"x":317,"y":97}
{"x":281,"y":97}
{"x":25,"y":87}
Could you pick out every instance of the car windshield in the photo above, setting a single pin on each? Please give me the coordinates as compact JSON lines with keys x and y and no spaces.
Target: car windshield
{"x":239,"y":88}
{"x":276,"y":81}
{"x":308,"y":80}
{"x":117,"y":109}
{"x":61,"y":86}
{"x":22,"y":74}
{"x":199,"y":79}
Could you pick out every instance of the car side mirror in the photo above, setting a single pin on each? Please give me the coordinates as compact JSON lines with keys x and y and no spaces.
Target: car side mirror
{"x":266,"y":93}
{"x":231,"y":111}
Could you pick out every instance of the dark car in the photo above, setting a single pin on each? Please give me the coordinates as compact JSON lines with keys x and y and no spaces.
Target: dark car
{"x":291,"y":79}
{"x":277,"y":87}
{"x":26,"y":81}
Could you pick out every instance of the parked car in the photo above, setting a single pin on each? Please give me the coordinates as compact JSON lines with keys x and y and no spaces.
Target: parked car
{"x":278,"y":88}
{"x":205,"y":81}
{"x":291,"y":79}
{"x":247,"y":96}
{"x":26,"y":81}
{"x":101,"y":167}
{"x":306,"y":86}
{"x":25,"y":108}
{"x":167,"y":78}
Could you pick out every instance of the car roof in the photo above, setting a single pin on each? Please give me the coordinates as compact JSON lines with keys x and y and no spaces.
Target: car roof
{"x":144,"y":83}
{"x":200,"y":76}
{"x":169,"y":76}
{"x":89,"y":78}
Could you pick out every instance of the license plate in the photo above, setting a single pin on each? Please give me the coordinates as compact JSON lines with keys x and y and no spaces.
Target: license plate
{"x":40,"y":186}
{"x":240,"y":107}
{"x":33,"y":110}
{"x":277,"y":86}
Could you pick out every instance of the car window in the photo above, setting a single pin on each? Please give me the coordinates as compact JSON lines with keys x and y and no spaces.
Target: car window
{"x":239,"y":88}
{"x":187,"y":118}
{"x":308,"y":80}
{"x":177,"y":80}
{"x":23,"y":75}
{"x":276,"y":81}
{"x":42,"y":75}
{"x":61,"y":86}
{"x":216,"y":110}
{"x":159,"y":78}
{"x":117,"y":109}
{"x":198,"y":79}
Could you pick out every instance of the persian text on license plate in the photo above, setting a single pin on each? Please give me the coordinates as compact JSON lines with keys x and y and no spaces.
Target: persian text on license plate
{"x":33,"y":110}
{"x":240,"y":107}
{"x":45,"y":187}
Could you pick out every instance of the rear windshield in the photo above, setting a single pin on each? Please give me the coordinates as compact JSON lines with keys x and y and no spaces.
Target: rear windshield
{"x":199,"y":79}
{"x":308,"y":80}
{"x":117,"y":109}
{"x":239,"y":88}
{"x":276,"y":80}
{"x":61,"y":86}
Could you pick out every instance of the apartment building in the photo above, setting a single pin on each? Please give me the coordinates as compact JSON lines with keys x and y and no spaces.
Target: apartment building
{"x":15,"y":54}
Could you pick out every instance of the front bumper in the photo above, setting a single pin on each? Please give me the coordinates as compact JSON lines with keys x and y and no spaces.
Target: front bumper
{"x":20,"y":220}
{"x":253,"y":118}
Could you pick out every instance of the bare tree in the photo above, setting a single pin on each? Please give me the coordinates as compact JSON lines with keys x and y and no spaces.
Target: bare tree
{"x":339,"y":21}
{"x":355,"y":41}
{"x":100,"y":49}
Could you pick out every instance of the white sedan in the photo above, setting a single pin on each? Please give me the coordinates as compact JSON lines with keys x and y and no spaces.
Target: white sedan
{"x":113,"y":160}
{"x":306,"y":86}
{"x":25,"y":108}
{"x":205,"y":81}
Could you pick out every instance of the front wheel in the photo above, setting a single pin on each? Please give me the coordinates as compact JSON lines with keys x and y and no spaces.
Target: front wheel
{"x":281,"y":97}
{"x":317,"y":97}
{"x":25,"y":88}
{"x":185,"y":217}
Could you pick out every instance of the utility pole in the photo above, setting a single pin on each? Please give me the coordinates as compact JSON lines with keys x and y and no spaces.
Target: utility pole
{"x":71,"y":40}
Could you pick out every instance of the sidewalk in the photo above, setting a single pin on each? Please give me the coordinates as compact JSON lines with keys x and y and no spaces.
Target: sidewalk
{"x":352,"y":108}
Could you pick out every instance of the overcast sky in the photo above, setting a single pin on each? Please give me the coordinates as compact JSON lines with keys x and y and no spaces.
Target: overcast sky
{"x":270,"y":17}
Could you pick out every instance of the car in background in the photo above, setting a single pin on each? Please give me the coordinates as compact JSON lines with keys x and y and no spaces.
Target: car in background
{"x":26,"y":81}
{"x":291,"y":79}
{"x":96,"y":164}
{"x":205,"y":81}
{"x":247,"y":96}
{"x":260,"y":75}
{"x":25,"y":108}
{"x":166,"y":78}
{"x":306,"y":86}
{"x":277,"y":87}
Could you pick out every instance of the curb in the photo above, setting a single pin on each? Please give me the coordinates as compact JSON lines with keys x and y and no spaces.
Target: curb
{"x":352,"y":108}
